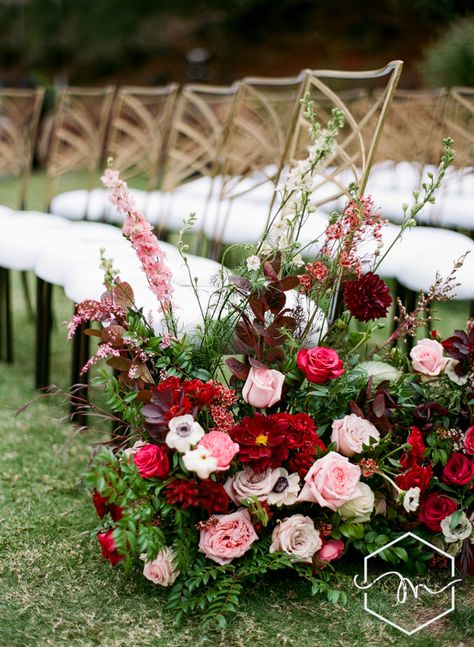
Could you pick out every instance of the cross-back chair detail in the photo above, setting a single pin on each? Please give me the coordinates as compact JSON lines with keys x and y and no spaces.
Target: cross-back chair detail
{"x":197,"y":129}
{"x":138,"y":130}
{"x":79,"y":129}
{"x":459,"y":124}
{"x":364,"y":109}
{"x":19,"y":115}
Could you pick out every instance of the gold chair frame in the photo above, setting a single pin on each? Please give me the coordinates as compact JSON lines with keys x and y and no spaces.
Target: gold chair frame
{"x":459,"y":120}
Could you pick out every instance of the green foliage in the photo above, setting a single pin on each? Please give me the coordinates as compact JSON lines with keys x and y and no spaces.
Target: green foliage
{"x":450,"y":60}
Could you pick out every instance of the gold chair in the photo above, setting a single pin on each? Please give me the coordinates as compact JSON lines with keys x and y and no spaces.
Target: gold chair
{"x":78,"y":134}
{"x":459,"y":121}
{"x":138,"y":130}
{"x":19,"y":114}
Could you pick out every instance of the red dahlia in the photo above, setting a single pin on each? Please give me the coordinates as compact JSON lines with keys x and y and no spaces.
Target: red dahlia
{"x":416,"y":476}
{"x":368,"y":297}
{"x":181,"y":493}
{"x":415,"y":453}
{"x":262,"y":442}
{"x":299,"y":428}
{"x":212,"y":497}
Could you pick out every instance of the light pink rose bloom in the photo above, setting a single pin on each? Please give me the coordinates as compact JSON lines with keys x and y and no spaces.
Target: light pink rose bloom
{"x":262,"y":387}
{"x":161,"y":570}
{"x":228,"y":538}
{"x":221,"y":447}
{"x":296,"y":536}
{"x":331,"y":481}
{"x":351,"y":432}
{"x":427,"y":357}
{"x":246,"y":483}
{"x":331,"y":550}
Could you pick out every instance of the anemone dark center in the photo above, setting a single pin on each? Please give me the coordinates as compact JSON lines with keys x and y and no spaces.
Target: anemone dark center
{"x":281,"y":484}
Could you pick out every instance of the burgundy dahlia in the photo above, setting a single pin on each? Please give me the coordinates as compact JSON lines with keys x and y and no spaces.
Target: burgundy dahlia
{"x":262,"y":442}
{"x":181,"y":493}
{"x":212,"y":497}
{"x":368,"y":297}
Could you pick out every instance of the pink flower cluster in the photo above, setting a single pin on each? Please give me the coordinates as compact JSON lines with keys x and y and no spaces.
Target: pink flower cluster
{"x":140,"y":233}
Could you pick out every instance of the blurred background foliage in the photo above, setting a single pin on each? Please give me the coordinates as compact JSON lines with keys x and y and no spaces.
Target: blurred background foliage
{"x":157,"y":41}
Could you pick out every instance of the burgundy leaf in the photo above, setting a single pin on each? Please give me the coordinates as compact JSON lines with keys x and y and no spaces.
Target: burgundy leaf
{"x":275,"y":299}
{"x":256,"y":364}
{"x":269,"y":271}
{"x":289,"y":283}
{"x":378,"y":406}
{"x":238,"y":368}
{"x":356,"y":409}
{"x":123,"y":295}
{"x":258,"y":306}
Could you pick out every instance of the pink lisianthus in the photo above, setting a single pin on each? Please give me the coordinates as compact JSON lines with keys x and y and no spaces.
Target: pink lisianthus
{"x":221,"y":447}
{"x":263,"y":387}
{"x":331,"y":481}
{"x":227,"y":537}
{"x":331,"y":550}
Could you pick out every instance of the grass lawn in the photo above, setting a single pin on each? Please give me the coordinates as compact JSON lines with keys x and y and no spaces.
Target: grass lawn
{"x":56,"y":590}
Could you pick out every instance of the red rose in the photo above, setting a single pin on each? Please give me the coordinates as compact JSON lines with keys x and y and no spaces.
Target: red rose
{"x":201,"y":393}
{"x":415,"y":453}
{"x":434,"y":509}
{"x":320,"y":364}
{"x":102,"y":506}
{"x":107,"y":546}
{"x":459,"y":470}
{"x":416,"y":476}
{"x":151,"y":461}
{"x":469,"y":441}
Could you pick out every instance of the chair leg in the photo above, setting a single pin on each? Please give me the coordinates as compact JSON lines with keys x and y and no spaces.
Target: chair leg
{"x":410,"y":303}
{"x":80,"y":355}
{"x":471,"y":309}
{"x":6,"y":325}
{"x":44,"y":293}
{"x":27,"y":296}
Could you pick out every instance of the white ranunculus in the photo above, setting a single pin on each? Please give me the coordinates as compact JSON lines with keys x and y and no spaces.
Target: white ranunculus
{"x":360,"y":507}
{"x":462,"y":530}
{"x":411,"y":500}
{"x":161,"y":570}
{"x":183,"y":433}
{"x":380,"y":371}
{"x":200,"y":461}
{"x":285,"y":490}
{"x":296,"y":536}
{"x":351,"y":433}
{"x":246,"y":483}
{"x":451,"y":373}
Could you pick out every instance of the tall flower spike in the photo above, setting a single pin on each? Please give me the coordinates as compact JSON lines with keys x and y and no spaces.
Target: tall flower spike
{"x":139,"y":232}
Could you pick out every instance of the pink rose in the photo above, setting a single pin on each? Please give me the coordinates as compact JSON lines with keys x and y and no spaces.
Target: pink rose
{"x":351,"y":433}
{"x":331,"y":550}
{"x":221,"y":447}
{"x":320,"y":364}
{"x":262,"y":387}
{"x":151,"y":461}
{"x":469,"y":441}
{"x":227,"y":536}
{"x":296,"y":536}
{"x":161,"y":570}
{"x":427,"y":357}
{"x":331,"y":481}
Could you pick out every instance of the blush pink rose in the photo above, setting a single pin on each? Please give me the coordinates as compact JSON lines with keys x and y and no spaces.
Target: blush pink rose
{"x":263,"y":387}
{"x":296,"y":536}
{"x":427,"y":357}
{"x":331,"y":550}
{"x":351,"y":433}
{"x":227,"y":536}
{"x":161,"y":570}
{"x":320,"y":364}
{"x":221,"y":447}
{"x":331,"y":481}
{"x":469,"y":441}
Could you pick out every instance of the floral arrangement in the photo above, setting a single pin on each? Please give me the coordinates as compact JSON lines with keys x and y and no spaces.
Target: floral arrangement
{"x":283,"y":431}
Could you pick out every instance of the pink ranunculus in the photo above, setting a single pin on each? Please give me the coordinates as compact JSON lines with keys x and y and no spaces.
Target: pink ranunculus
{"x":263,"y":387}
{"x":331,"y":550}
{"x":427,"y":357}
{"x":152,"y":461}
{"x":351,"y":433}
{"x":331,"y":481}
{"x":161,"y":570}
{"x":221,"y":447}
{"x":320,"y":364}
{"x":227,"y":537}
{"x":469,"y":441}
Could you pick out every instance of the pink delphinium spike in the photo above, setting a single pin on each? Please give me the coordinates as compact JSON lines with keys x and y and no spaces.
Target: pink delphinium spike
{"x":139,"y":232}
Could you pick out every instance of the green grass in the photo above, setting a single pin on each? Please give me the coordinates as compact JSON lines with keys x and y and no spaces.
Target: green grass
{"x":56,"y":590}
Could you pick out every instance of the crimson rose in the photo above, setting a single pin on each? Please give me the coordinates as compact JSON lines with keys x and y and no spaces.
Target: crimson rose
{"x":459,"y":470}
{"x":102,"y":506}
{"x":434,"y":509}
{"x":107,"y":546}
{"x":151,"y":461}
{"x":320,"y":364}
